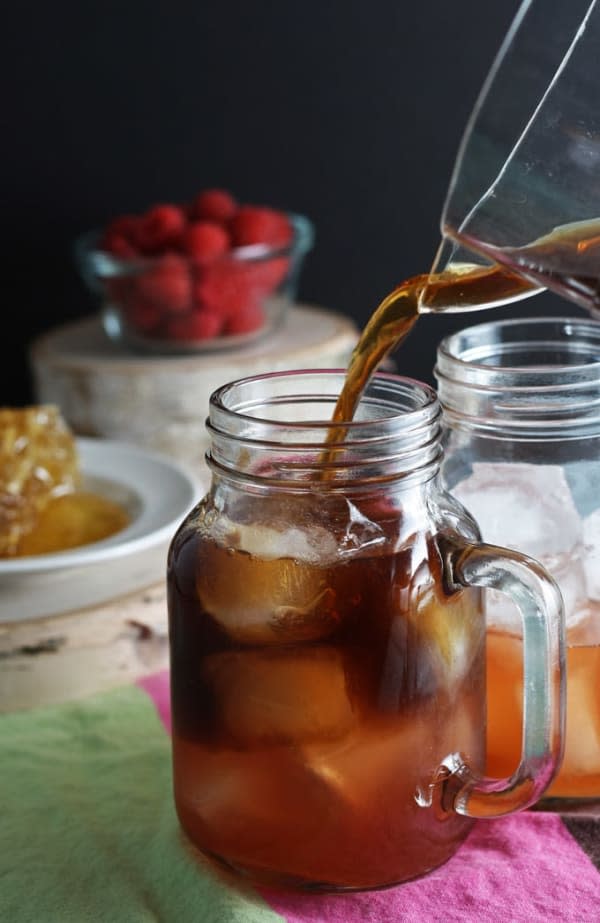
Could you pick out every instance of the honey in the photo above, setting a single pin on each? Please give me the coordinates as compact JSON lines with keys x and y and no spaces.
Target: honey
{"x":43,"y":506}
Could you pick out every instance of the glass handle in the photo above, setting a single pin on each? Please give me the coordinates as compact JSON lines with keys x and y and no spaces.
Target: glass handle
{"x":541,"y":607}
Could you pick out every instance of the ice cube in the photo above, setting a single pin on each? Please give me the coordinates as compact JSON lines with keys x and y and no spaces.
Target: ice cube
{"x":528,"y":508}
{"x":251,"y":805}
{"x":449,"y":630}
{"x":376,"y":775}
{"x":385,"y":768}
{"x":280,"y":696}
{"x":584,"y":482}
{"x":274,"y":600}
{"x":525,"y":507}
{"x":501,"y":612}
{"x":591,"y":542}
{"x":378,"y":759}
{"x":569,"y":572}
{"x":312,"y":544}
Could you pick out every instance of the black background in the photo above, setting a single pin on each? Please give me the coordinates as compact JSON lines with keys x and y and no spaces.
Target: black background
{"x":348,"y":111}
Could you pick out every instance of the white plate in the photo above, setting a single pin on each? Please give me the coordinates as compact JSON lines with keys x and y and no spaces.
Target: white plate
{"x":157,"y":493}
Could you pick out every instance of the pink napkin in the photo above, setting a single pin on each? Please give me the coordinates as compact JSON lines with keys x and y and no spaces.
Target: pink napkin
{"x":527,"y":867}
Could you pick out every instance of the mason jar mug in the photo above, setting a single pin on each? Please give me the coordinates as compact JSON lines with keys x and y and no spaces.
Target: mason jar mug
{"x":328,"y":642}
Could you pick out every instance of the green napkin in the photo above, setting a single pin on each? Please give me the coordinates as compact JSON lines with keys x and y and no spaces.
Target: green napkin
{"x":88,"y":830}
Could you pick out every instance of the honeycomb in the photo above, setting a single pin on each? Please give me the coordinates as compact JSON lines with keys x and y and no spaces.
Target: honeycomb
{"x":38,"y":461}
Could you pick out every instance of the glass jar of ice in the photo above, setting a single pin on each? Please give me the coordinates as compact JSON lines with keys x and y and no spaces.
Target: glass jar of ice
{"x":521,"y":409}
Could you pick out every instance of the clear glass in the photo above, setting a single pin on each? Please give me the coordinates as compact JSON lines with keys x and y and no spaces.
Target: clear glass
{"x":521,"y":403}
{"x":525,"y":192}
{"x":159,"y":304}
{"x":328,"y":642}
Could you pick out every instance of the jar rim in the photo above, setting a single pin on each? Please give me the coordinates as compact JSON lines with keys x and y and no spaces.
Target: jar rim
{"x":421,"y":396}
{"x":468,"y":354}
{"x":277,"y":426}
{"x":524,"y":378}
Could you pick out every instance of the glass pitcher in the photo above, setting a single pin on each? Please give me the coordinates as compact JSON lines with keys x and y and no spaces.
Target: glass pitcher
{"x":524,"y":197}
{"x":327,"y":642}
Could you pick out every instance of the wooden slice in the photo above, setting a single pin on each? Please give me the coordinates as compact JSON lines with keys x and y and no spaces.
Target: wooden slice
{"x":161,"y":402}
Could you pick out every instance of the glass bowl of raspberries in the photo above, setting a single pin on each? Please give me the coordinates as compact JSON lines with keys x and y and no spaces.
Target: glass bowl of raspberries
{"x":207,"y":274}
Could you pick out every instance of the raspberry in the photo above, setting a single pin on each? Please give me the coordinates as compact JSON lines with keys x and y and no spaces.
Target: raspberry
{"x":223,"y":287}
{"x":120,"y":289}
{"x":142,"y":316}
{"x":160,"y":228}
{"x":126,"y":226}
{"x":248,"y":319}
{"x":264,"y":276}
{"x":213,"y":205}
{"x":255,"y":225}
{"x":118,"y":246}
{"x":197,"y":325}
{"x":205,"y":241}
{"x":120,"y":237}
{"x":167,"y":283}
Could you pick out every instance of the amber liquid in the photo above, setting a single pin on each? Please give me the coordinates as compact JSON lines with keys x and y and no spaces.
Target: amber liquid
{"x":398,"y":313}
{"x":575,"y":248}
{"x":579,"y":775}
{"x":313,"y":704}
{"x":72,"y":520}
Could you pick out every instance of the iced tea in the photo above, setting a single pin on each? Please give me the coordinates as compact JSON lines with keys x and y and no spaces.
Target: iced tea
{"x":317,"y":689}
{"x":579,"y":776}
